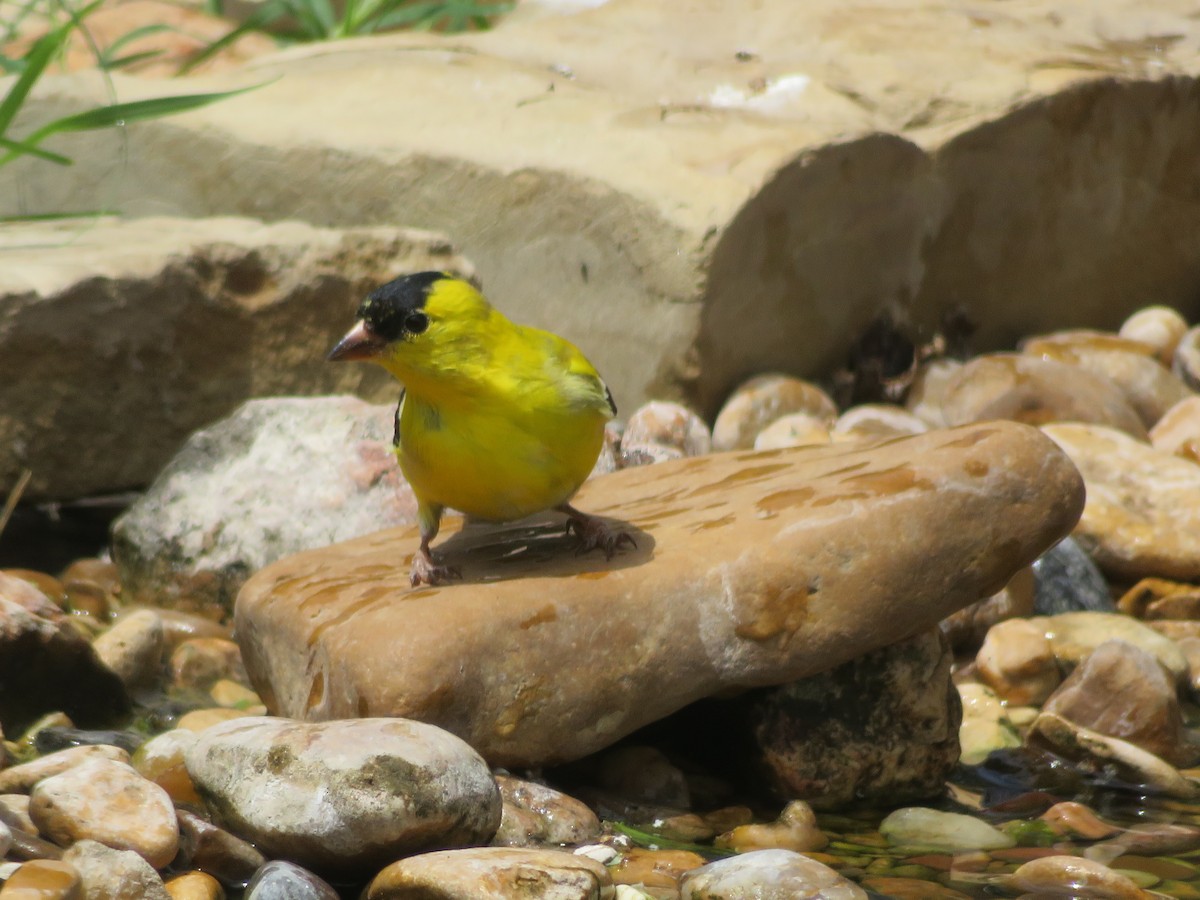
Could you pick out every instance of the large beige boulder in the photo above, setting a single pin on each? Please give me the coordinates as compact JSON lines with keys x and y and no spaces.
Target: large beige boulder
{"x":118,"y":339}
{"x":751,"y":569}
{"x":695,"y":191}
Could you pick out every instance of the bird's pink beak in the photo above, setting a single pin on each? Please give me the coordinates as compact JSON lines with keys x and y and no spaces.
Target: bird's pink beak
{"x":358,"y":344}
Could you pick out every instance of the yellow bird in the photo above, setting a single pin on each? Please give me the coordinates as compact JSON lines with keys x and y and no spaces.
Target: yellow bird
{"x":497,"y":420}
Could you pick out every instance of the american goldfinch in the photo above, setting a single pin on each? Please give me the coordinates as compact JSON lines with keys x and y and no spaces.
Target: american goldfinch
{"x":497,"y":420}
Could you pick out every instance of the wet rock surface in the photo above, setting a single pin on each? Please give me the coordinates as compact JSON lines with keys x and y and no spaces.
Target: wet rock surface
{"x":253,"y":796}
{"x":506,"y":871}
{"x":1141,"y":516}
{"x":798,"y":517}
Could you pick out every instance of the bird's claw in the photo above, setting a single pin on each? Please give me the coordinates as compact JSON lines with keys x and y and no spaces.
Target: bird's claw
{"x":425,"y":571}
{"x":594,"y":534}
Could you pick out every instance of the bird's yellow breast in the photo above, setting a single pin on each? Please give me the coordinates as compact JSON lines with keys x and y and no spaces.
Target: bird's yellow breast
{"x":499,"y":420}
{"x":496,"y":462}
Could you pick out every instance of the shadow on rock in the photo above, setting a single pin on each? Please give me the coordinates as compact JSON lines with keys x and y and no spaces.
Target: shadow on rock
{"x":536,"y":546}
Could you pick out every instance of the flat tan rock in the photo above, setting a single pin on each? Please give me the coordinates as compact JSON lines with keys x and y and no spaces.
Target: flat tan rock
{"x":641,"y":186}
{"x":1143,"y":505}
{"x":751,"y":569}
{"x":175,"y":323}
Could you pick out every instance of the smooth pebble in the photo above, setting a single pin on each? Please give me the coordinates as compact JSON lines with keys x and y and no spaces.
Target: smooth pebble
{"x":757,"y":403}
{"x":282,"y":880}
{"x":767,"y":875}
{"x":1159,"y":327}
{"x":492,"y":872}
{"x":116,"y":874}
{"x":107,"y":801}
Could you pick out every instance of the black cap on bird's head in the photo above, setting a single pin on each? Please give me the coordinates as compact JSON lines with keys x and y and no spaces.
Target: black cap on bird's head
{"x":389,"y":313}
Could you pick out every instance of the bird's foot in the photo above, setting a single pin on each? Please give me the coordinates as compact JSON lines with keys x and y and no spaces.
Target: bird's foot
{"x":426,"y":571}
{"x":593,"y":533}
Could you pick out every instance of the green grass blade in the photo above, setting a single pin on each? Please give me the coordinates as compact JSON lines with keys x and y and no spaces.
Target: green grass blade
{"x":407,"y":16}
{"x":53,"y":217}
{"x":122,"y":61}
{"x":362,"y":16}
{"x":349,"y":22}
{"x":135,"y":111}
{"x":258,"y":21}
{"x":22,"y":149}
{"x":35,"y":61}
{"x":136,"y":34}
{"x":121,"y":113}
{"x":316,"y":17}
{"x":650,"y":839}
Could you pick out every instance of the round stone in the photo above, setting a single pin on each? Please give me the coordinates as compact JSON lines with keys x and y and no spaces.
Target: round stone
{"x":393,"y":786}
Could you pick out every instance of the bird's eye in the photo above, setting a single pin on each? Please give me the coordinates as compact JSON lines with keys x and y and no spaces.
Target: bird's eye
{"x":415,"y":323}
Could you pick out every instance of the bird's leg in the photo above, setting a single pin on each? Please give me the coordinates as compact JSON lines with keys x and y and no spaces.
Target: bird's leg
{"x":593,"y":532}
{"x":424,"y":570}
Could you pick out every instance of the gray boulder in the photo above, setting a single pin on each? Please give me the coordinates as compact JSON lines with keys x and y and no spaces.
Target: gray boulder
{"x":276,"y":477}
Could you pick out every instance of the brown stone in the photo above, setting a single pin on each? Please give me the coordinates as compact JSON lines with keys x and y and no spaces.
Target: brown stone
{"x":109,"y":802}
{"x":1121,"y":690}
{"x":654,"y":868}
{"x":43,"y":879}
{"x":1158,"y":327}
{"x":1069,"y":876}
{"x":762,"y":400}
{"x":212,"y":849}
{"x":1137,"y":600}
{"x":534,"y":813}
{"x":1074,"y":635}
{"x":23,"y":777}
{"x":1035,"y":391}
{"x":1150,"y":593}
{"x":795,"y":829}
{"x":1142,"y":516}
{"x":195,"y":886}
{"x":491,"y":872}
{"x":1017,"y":662}
{"x":1178,"y":431}
{"x":880,"y":729}
{"x":760,"y":568}
{"x":133,"y":648}
{"x":199,"y":663}
{"x":1070,"y":817}
{"x":1073,"y":340}
{"x":1175,"y":629}
{"x":1150,"y":387}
